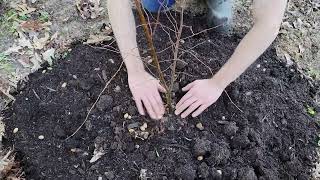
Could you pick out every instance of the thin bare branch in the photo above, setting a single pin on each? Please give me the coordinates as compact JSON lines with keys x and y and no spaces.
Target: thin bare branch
{"x":95,"y":103}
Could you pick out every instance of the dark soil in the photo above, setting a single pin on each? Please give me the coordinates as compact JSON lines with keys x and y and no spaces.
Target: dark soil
{"x":272,"y":136}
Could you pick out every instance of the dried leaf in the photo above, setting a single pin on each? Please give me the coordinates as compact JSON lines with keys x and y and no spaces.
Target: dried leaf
{"x":40,"y":43}
{"x":95,"y":39}
{"x":97,"y":154}
{"x":36,"y":61}
{"x":13,"y":49}
{"x":49,"y":55}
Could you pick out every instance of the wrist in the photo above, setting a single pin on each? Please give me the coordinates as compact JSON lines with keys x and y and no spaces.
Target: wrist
{"x":219,"y":81}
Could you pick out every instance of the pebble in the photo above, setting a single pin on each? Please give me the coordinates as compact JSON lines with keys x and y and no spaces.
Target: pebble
{"x":111,"y":61}
{"x":44,"y":71}
{"x":200,"y":158}
{"x":137,"y":146}
{"x":15,"y":130}
{"x":258,"y":66}
{"x":64,"y":85}
{"x":144,"y":127}
{"x":99,"y":178}
{"x":109,"y":175}
{"x":223,"y":118}
{"x":117,"y":89}
{"x":41,"y":137}
{"x":200,"y":126}
{"x":126,"y":115}
{"x":264,"y":69}
{"x":145,"y":135}
{"x":131,"y":130}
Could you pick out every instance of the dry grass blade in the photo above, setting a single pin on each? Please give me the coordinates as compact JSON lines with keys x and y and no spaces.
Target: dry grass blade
{"x":94,"y":104}
{"x":232,"y":101}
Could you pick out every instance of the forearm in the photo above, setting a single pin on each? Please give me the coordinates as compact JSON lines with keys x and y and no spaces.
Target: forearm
{"x":250,"y":48}
{"x":124,"y":28}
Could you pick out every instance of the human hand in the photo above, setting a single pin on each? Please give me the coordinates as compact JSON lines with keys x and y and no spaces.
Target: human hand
{"x":145,"y":89}
{"x":201,"y":94}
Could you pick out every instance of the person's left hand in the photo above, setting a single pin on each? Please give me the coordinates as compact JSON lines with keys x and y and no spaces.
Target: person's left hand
{"x":201,"y":94}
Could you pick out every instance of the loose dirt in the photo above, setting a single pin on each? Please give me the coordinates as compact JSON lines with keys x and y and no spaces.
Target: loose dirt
{"x":258,"y":129}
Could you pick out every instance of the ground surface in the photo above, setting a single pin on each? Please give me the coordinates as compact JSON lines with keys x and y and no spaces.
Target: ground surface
{"x":271,"y":134}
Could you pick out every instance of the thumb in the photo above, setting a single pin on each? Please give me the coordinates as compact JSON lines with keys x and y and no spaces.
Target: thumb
{"x":188,"y":87}
{"x":161,"y":88}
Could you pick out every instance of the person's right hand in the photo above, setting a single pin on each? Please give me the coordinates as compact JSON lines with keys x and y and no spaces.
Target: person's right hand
{"x":145,"y":90}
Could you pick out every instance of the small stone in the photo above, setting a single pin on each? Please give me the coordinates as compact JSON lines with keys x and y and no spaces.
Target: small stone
{"x":200,"y":126}
{"x":111,"y":61}
{"x":200,"y":158}
{"x":144,"y":127}
{"x":99,"y":178}
{"x":41,"y":137}
{"x":109,"y":175}
{"x":126,"y":115}
{"x":64,"y":85}
{"x":49,"y":68}
{"x":248,"y":93}
{"x":223,"y":118}
{"x":117,"y":89}
{"x":145,"y":135}
{"x":129,"y":117}
{"x":219,"y":171}
{"x":74,"y":77}
{"x":258,"y":66}
{"x":264,"y":69}
{"x":137,"y":146}
{"x":182,"y":41}
{"x":44,"y":71}
{"x":15,"y":130}
{"x":131,"y":130}
{"x":97,"y":69}
{"x":105,"y":103}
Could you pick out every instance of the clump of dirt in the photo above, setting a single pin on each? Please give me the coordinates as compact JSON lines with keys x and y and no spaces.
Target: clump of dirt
{"x":258,"y":129}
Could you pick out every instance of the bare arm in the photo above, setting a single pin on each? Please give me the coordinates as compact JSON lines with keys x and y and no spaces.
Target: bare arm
{"x":124,"y":28}
{"x":268,"y":16}
{"x":201,"y":94}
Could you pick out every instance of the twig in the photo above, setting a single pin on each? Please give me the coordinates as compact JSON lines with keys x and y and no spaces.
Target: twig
{"x":7,"y":94}
{"x":152,"y":49}
{"x":35,"y":93}
{"x":94,"y":104}
{"x":203,"y":31}
{"x":176,"y":52}
{"x":233,"y":102}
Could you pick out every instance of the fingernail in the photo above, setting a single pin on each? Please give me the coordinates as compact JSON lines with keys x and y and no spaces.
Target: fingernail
{"x":176,"y":112}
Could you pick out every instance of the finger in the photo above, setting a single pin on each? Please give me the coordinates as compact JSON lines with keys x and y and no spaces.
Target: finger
{"x":139,"y":106}
{"x":185,"y":104}
{"x":160,"y":102}
{"x":161,"y":88}
{"x":155,"y":106}
{"x":191,"y":108}
{"x":184,"y":98}
{"x":188,"y":87}
{"x":149,"y":108}
{"x":199,"y":110}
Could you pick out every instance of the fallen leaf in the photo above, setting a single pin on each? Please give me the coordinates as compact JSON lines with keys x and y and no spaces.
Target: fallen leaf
{"x":97,"y":154}
{"x":40,"y":43}
{"x":36,"y":61}
{"x":95,"y":39}
{"x":23,"y":41}
{"x":48,"y":55}
{"x":13,"y":49}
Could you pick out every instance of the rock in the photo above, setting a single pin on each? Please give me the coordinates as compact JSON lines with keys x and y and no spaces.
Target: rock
{"x":105,"y":103}
{"x":41,"y":137}
{"x":186,"y":172}
{"x":201,"y":147}
{"x":203,"y":170}
{"x":15,"y":130}
{"x":59,"y":132}
{"x":200,"y":126}
{"x":109,"y":175}
{"x":220,"y":154}
{"x":215,"y":174}
{"x":230,"y":129}
{"x":117,"y":89}
{"x":247,"y":173}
